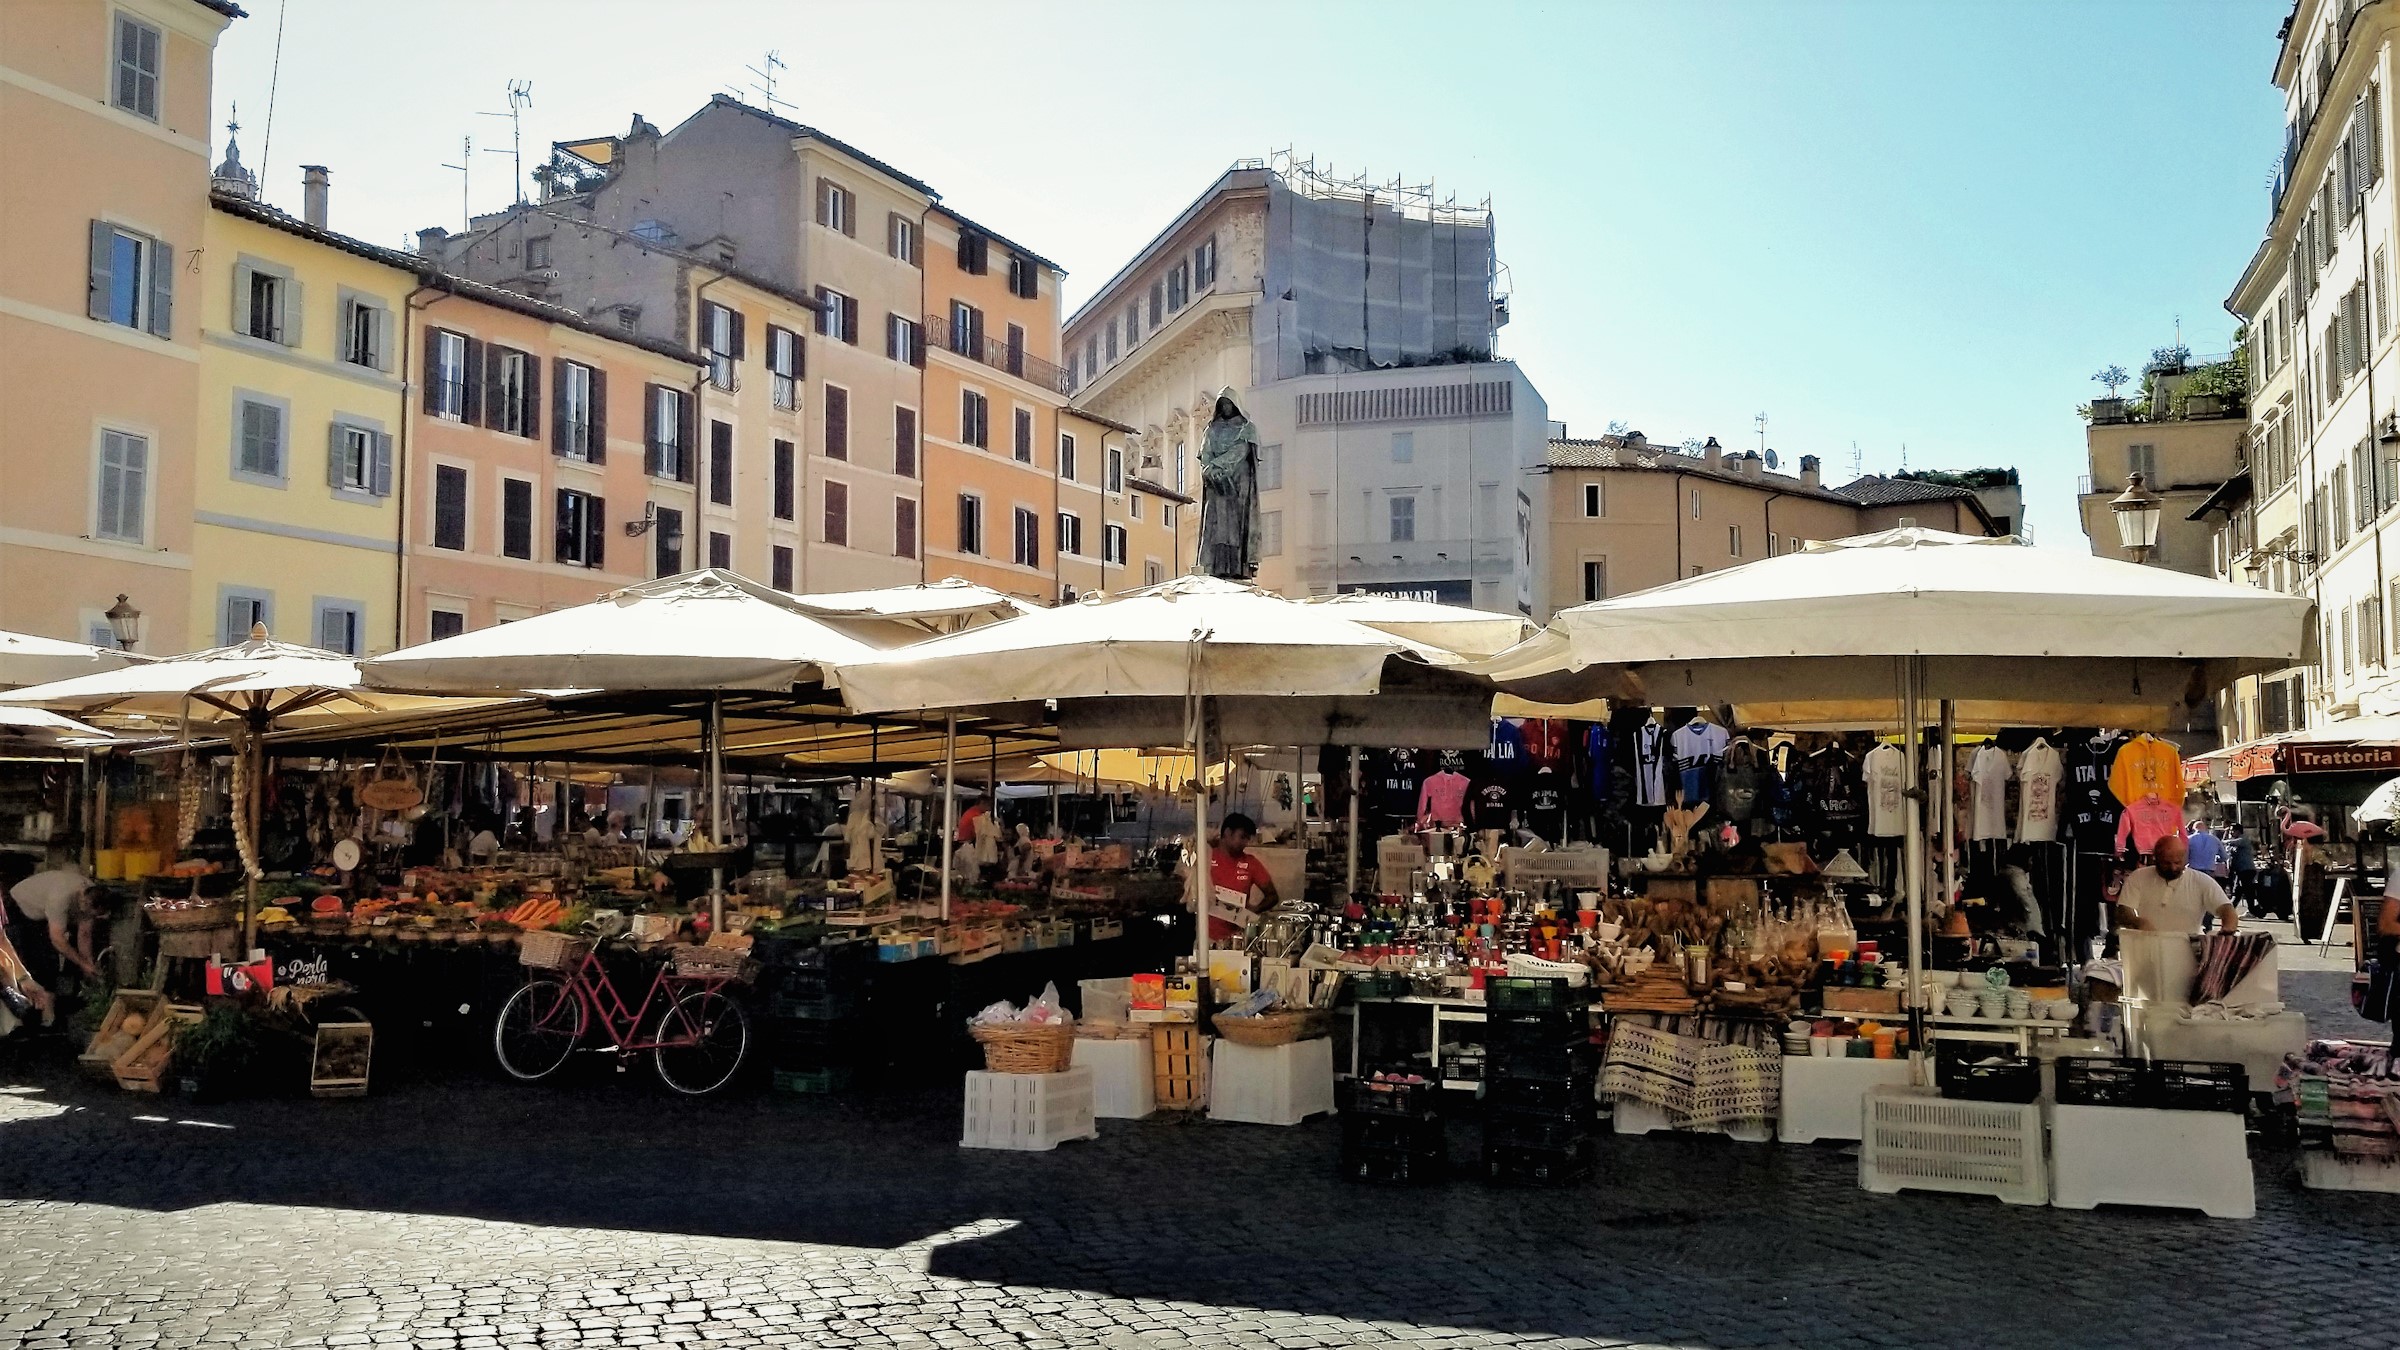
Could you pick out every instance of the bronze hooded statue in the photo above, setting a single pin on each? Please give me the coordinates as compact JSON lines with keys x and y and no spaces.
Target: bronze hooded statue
{"x":1229,"y":538}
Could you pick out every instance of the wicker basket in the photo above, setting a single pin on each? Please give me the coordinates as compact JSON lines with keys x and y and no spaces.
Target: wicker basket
{"x":716,"y":963}
{"x":1016,"y":1049}
{"x":187,"y":917}
{"x":1276,"y":1028}
{"x":544,"y":949}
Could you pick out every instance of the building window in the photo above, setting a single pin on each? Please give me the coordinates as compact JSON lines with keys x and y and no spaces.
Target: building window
{"x":258,"y":445}
{"x":512,"y":396}
{"x":269,"y":304}
{"x":2143,"y":459}
{"x":1153,"y":572}
{"x":245,"y":612}
{"x":904,"y":441}
{"x":1091,"y":356}
{"x":779,"y":565}
{"x":974,"y":420}
{"x":1133,"y":325}
{"x":449,"y":507}
{"x":444,"y":623}
{"x":974,"y":252}
{"x":670,"y":433}
{"x":1133,"y":506}
{"x":966,"y":330}
{"x":1204,"y":263}
{"x":366,"y":333}
{"x":783,"y":363}
{"x":1594,"y":505}
{"x":720,"y":463}
{"x":786,"y":472}
{"x":1112,"y":545}
{"x":582,"y":532}
{"x":1115,"y":481}
{"x":1025,"y":278}
{"x":720,"y":550}
{"x":666,"y":556}
{"x":1026,"y":538}
{"x":122,"y":493}
{"x":837,"y":210}
{"x":446,"y":374}
{"x":837,"y":514}
{"x":1024,"y":436}
{"x":1733,"y":540}
{"x":904,"y":527}
{"x":338,"y":625}
{"x":1404,"y":520}
{"x":1270,"y":467}
{"x":1774,"y":545}
{"x":1166,"y":514}
{"x":132,"y":279}
{"x":1066,"y":456}
{"x":837,"y":422}
{"x":516,"y":519}
{"x":1270,"y":534}
{"x":1179,"y":288}
{"x":1404,"y":447}
{"x":721,"y":334}
{"x":970,"y":523}
{"x":837,"y":316}
{"x":579,"y":435}
{"x":900,"y":238}
{"x":1158,"y":304}
{"x":1110,"y":334}
{"x":1595,"y":579}
{"x":138,"y":48}
{"x":1695,"y":503}
{"x":903,"y":340}
{"x":358,"y":459}
{"x":1070,"y":535}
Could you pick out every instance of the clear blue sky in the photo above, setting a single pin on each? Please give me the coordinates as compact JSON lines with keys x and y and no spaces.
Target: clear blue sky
{"x":1882,"y":221}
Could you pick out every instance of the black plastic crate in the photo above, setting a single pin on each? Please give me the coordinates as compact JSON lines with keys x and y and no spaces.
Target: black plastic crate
{"x":1553,"y":1064}
{"x":814,"y":995}
{"x":1995,"y":1078}
{"x":2197,"y":1085}
{"x":1514,"y":1165}
{"x":1542,"y":1094}
{"x":2091,"y":1081}
{"x":810,"y":1044}
{"x":1362,"y":1096}
{"x":1534,"y":1021}
{"x":1394,"y":1132}
{"x":1537,"y":1129}
{"x":1395,"y":1166}
{"x":1532,"y":993}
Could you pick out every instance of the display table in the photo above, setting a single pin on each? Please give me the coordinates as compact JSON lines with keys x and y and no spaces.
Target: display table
{"x":1270,"y":1085}
{"x":1826,"y":1098}
{"x":2132,"y":1156}
{"x":1435,"y":1011}
{"x":1122,"y":1085}
{"x":2258,"y":1044}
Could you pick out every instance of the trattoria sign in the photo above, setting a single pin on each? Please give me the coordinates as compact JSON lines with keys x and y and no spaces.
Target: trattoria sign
{"x":2341,"y":758}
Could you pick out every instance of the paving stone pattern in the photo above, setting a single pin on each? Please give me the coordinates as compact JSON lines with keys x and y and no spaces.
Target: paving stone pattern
{"x":477,"y":1214}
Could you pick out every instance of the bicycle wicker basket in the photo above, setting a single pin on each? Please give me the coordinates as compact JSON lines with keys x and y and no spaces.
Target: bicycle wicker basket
{"x":544,"y":949}
{"x":1023,"y":1049}
{"x":1276,"y":1028}
{"x":712,"y":963}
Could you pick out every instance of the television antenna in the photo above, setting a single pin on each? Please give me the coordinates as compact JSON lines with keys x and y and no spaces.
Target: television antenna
{"x":763,"y":79}
{"x":1858,"y":460}
{"x":520,"y":97}
{"x":1760,"y":422}
{"x":466,"y":160}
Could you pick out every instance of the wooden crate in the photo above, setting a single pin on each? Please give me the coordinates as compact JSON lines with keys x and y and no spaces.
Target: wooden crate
{"x":338,"y":1064}
{"x":1839,"y":999}
{"x":144,"y":1068}
{"x":95,"y":1058}
{"x":1178,"y":1067}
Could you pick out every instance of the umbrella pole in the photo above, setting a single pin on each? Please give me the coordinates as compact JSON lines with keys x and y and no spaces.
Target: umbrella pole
{"x":1353,"y":820}
{"x":1948,"y":797}
{"x":1912,"y":863}
{"x":257,"y":751}
{"x":949,"y":807}
{"x":1200,"y":853}
{"x":716,"y":811}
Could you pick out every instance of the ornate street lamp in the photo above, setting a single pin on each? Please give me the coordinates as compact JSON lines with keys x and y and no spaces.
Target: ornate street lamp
{"x":125,"y":622}
{"x":2137,"y":512}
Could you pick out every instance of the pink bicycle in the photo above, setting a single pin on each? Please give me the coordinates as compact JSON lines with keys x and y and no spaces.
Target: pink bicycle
{"x":688,"y":1022}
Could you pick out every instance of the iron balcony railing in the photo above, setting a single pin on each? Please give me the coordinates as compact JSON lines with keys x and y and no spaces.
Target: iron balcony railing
{"x":943,"y":335}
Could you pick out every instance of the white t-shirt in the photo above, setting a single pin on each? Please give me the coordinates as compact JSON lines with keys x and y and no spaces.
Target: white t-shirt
{"x":2176,"y":906}
{"x":50,"y":897}
{"x":1886,"y":772}
{"x":1988,"y":771}
{"x":2038,"y":772}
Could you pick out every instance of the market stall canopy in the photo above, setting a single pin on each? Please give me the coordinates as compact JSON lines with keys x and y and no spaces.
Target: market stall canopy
{"x":26,"y":659}
{"x":33,"y":729}
{"x":2014,"y":634}
{"x":2381,"y":807}
{"x":1453,"y":628}
{"x":1119,"y":669}
{"x":944,"y":605}
{"x":698,"y":632}
{"x":258,"y":683}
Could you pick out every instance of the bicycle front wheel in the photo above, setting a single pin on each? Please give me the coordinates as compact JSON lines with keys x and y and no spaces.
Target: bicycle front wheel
{"x":705,"y":1036}
{"x":537,"y":1029}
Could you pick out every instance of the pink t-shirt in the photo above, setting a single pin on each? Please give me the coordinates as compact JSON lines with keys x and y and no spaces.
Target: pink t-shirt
{"x":2148,"y":821}
{"x":1438,"y":802}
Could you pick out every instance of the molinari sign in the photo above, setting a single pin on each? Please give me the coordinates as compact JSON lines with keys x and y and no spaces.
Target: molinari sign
{"x":1432,"y":592}
{"x":2341,"y":758}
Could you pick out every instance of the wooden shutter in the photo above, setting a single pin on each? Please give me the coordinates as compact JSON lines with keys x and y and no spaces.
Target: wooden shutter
{"x":495,"y":389}
{"x":532,"y":394}
{"x":824,"y":202}
{"x":238,"y":618}
{"x":595,"y":532}
{"x":569,"y":539}
{"x":242,"y":284}
{"x":287,"y":324}
{"x":558,"y":410}
{"x":433,"y":346}
{"x":473,"y":377}
{"x":966,"y":250}
{"x":837,"y":422}
{"x":720,"y":463}
{"x":654,"y":450}
{"x":334,"y":444}
{"x":687,"y":438}
{"x":101,"y":287}
{"x":599,"y":415}
{"x":904,"y":442}
{"x":740,"y":341}
{"x":784,"y":470}
{"x":381,"y":478}
{"x":162,"y":288}
{"x":850,"y":320}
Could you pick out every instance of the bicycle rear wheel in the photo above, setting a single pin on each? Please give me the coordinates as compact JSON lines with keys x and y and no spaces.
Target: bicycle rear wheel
{"x":537,"y":1029}
{"x":712,"y":1038}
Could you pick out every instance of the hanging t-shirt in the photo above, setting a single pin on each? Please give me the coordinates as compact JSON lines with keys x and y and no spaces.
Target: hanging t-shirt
{"x":1441,"y":801}
{"x":1699,"y":745}
{"x":1396,"y":785}
{"x":1745,"y":783}
{"x":2147,"y":821}
{"x":1650,"y":765}
{"x":1596,"y":744}
{"x":2038,"y":772}
{"x":2146,"y":767}
{"x":1989,"y":773}
{"x":1546,"y":742}
{"x":2089,"y":807}
{"x":1506,"y":753}
{"x":1491,"y":804}
{"x":1886,"y":772}
{"x":1546,"y":804}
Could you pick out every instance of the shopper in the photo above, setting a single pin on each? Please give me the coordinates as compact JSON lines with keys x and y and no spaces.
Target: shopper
{"x":2169,"y":897}
{"x":2379,"y":1000}
{"x":2206,"y":850}
{"x":1237,"y":875}
{"x":53,"y":901}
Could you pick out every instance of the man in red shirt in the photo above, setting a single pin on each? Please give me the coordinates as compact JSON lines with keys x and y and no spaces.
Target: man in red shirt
{"x":1233,"y":871}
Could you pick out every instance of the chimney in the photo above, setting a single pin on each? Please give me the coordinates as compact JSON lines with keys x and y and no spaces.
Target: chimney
{"x":1908,"y":522}
{"x":1812,"y":473}
{"x":316,"y":183}
{"x":1712,"y":454}
{"x":1754,"y":468}
{"x":431,"y":241}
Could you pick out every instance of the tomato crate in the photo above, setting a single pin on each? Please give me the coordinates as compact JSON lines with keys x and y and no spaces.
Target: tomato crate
{"x":1516,"y":1165}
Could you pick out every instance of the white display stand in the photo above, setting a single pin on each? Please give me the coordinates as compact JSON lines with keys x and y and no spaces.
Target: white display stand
{"x":2133,"y":1156}
{"x":1270,"y":1085}
{"x":1916,"y":1139}
{"x":1827,"y":1098}
{"x":2321,"y":1171}
{"x":1122,"y":1085}
{"x":2258,"y":1044}
{"x":1028,"y":1112}
{"x":1631,"y":1117}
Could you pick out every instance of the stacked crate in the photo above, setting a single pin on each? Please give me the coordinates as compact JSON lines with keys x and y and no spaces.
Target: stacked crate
{"x":817,"y":1037}
{"x":1392,"y":1130}
{"x":1540,"y":1082}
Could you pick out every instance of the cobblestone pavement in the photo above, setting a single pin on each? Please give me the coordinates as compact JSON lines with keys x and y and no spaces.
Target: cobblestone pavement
{"x":476,"y":1214}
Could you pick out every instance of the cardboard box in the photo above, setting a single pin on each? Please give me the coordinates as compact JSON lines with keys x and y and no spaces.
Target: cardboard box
{"x":1845,"y":1000}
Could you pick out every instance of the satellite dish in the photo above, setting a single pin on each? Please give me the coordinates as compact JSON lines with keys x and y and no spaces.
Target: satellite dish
{"x":1771,"y":460}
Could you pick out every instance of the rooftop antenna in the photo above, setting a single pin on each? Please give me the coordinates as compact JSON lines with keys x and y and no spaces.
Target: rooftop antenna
{"x":520,"y":97}
{"x":764,"y":82}
{"x":1858,"y":460}
{"x":466,"y":158}
{"x":1760,"y":421}
{"x":1904,"y":457}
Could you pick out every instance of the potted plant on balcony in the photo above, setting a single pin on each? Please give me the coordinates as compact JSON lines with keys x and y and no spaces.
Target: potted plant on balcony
{"x":2110,"y":408}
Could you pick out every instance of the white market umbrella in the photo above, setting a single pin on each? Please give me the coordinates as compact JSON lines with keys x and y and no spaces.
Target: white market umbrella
{"x":2381,"y":807}
{"x":1136,"y":668}
{"x":945,"y":605}
{"x":27,"y":659}
{"x":32,"y":728}
{"x":1453,"y":628}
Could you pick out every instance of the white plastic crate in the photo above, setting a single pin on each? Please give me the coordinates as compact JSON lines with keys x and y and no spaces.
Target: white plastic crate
{"x":2322,"y":1171}
{"x":1028,"y":1111}
{"x":1827,"y":1098}
{"x":1270,"y":1085}
{"x":1123,"y":1087}
{"x":2124,"y":1155}
{"x":1916,"y":1139}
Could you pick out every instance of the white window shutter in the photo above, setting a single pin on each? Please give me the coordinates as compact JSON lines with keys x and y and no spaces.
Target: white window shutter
{"x":241,"y":299}
{"x":162,"y":288}
{"x":103,"y":258}
{"x":336,"y":439}
{"x":381,"y":476}
{"x":289,"y":335}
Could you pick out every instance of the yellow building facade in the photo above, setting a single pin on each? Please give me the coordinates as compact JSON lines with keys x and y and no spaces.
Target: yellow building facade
{"x":295,"y":521}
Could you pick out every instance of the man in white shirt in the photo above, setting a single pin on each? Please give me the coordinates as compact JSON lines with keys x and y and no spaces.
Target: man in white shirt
{"x":51,"y":900}
{"x":2169,"y":897}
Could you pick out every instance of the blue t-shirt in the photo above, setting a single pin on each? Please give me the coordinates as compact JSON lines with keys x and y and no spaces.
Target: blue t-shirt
{"x":2204,"y":850}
